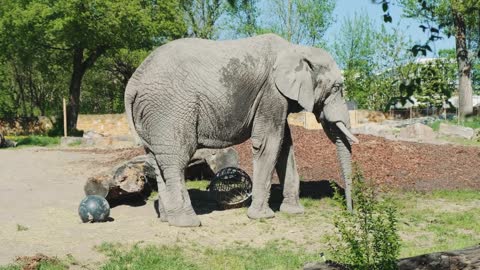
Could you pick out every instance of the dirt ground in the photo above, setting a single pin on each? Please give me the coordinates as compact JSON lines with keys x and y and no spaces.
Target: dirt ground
{"x":40,"y":190}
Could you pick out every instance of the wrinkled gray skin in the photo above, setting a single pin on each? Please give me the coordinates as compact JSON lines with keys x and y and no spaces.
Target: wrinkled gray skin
{"x":193,"y":93}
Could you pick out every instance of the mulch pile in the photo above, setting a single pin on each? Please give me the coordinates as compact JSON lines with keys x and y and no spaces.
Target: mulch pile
{"x":390,"y":164}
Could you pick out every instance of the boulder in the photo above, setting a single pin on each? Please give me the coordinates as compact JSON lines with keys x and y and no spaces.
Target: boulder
{"x":456,"y":131}
{"x":374,"y":129}
{"x":4,"y":143}
{"x":69,"y":141}
{"x":419,"y":132}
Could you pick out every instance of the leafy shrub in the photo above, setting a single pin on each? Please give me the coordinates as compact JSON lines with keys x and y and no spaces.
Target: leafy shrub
{"x":367,"y":238}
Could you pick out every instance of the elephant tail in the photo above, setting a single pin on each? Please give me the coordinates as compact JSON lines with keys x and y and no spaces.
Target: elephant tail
{"x":130,"y":97}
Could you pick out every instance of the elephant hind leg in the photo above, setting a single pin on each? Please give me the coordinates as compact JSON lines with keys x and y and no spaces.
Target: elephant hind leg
{"x":160,"y":186}
{"x":174,"y":195}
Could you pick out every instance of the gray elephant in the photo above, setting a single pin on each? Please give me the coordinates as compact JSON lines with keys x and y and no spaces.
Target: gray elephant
{"x":193,"y":93}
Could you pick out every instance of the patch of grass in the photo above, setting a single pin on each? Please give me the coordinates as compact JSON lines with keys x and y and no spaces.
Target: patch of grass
{"x":197,"y":184}
{"x":461,"y":141}
{"x":149,"y":257}
{"x":35,"y":140}
{"x":471,"y":122}
{"x":272,"y":256}
{"x":455,"y":195}
{"x":436,"y":125}
{"x":21,"y":228}
{"x":438,"y":221}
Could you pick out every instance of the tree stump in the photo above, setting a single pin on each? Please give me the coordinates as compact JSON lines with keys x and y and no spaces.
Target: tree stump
{"x":137,"y":176}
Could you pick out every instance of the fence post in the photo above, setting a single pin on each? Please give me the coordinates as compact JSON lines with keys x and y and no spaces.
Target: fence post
{"x":64,"y":118}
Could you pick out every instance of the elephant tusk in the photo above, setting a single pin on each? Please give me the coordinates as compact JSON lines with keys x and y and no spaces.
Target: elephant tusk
{"x":347,"y":132}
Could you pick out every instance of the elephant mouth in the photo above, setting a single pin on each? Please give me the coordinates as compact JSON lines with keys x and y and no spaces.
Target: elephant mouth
{"x":341,"y":126}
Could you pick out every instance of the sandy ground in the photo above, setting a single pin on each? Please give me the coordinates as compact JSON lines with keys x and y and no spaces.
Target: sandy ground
{"x":41,"y":189}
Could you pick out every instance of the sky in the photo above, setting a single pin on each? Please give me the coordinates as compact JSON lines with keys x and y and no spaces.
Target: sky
{"x":345,"y":8}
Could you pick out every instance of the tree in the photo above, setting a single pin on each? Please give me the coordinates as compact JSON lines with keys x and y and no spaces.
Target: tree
{"x":243,"y":18}
{"x":373,"y":61}
{"x":301,"y":21}
{"x":86,"y":30}
{"x":458,"y":17}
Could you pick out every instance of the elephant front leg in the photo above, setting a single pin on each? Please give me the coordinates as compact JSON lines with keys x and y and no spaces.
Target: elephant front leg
{"x":265,"y":153}
{"x":288,"y":176}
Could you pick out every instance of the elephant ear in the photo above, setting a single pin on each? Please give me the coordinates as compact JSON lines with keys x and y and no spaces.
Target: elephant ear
{"x":293,"y":78}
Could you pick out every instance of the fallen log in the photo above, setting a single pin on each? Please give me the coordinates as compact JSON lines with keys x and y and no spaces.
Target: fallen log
{"x":137,"y":176}
{"x":465,"y":259}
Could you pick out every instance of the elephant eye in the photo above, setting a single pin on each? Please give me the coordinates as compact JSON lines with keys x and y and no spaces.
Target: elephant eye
{"x":337,"y":87}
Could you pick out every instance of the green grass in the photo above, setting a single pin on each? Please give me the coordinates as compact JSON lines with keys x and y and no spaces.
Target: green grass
{"x":149,"y":257}
{"x":35,"y":140}
{"x":471,"y":122}
{"x":197,"y":184}
{"x":438,"y":221}
{"x":272,"y":256}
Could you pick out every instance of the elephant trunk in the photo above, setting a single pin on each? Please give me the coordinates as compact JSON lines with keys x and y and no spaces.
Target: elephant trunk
{"x":336,"y":122}
{"x":344,"y":155}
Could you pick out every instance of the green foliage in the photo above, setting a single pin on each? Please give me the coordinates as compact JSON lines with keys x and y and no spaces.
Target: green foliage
{"x":35,"y":140}
{"x":40,"y":40}
{"x":367,"y":238}
{"x":300,"y":21}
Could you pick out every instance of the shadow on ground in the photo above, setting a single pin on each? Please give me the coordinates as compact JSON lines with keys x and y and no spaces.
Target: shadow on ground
{"x":203,"y":202}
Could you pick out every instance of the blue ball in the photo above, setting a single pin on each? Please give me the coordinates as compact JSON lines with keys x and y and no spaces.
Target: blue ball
{"x":94,"y":208}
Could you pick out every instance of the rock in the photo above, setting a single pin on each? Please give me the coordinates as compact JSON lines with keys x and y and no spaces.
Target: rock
{"x":70,"y":141}
{"x":4,"y":143}
{"x":92,"y":135}
{"x":456,"y":131}
{"x":374,"y":129}
{"x":418,"y":132}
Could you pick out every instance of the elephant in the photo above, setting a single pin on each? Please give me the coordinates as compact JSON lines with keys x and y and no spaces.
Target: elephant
{"x":192,"y":93}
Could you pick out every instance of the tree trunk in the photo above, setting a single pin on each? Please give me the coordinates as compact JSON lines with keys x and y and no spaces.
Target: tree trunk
{"x":465,"y":91}
{"x":74,"y":90}
{"x":79,"y":69}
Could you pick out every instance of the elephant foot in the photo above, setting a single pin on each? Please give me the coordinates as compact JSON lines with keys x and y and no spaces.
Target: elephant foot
{"x":163,"y":218}
{"x":292,"y":208}
{"x":184,"y":220}
{"x":255,"y":213}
